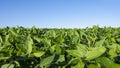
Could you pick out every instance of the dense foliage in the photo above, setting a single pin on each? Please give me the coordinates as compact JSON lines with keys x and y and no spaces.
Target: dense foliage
{"x":59,"y":48}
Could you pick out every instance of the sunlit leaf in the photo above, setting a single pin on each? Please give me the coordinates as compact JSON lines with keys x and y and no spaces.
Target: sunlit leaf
{"x":95,"y":52}
{"x":38,"y":54}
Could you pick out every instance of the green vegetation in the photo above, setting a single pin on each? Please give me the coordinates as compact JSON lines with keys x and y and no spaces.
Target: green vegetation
{"x":59,"y":48}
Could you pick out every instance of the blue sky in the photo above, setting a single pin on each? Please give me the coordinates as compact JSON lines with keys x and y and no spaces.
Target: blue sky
{"x":59,"y":13}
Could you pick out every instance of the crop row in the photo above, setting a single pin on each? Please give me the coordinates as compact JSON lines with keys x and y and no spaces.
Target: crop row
{"x":59,"y":48}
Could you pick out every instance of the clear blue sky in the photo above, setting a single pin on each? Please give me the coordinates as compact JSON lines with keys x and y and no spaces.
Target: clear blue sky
{"x":59,"y":13}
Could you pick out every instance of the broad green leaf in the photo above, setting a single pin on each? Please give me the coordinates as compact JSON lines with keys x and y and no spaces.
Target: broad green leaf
{"x":39,"y":54}
{"x":24,"y":44}
{"x":107,"y":63}
{"x":37,"y":39}
{"x":80,"y":64}
{"x":94,"y":66}
{"x":58,"y":49}
{"x":22,"y":48}
{"x":61,"y":58}
{"x":95,"y":52}
{"x":113,"y":40}
{"x":29,"y":44}
{"x":114,"y":65}
{"x":3,"y":58}
{"x":100,"y":43}
{"x":118,"y":39}
{"x":17,"y":63}
{"x":72,"y":61}
{"x":82,"y":48}
{"x":8,"y":66}
{"x":50,"y":34}
{"x":60,"y":40}
{"x":47,"y":61}
{"x":55,"y":49}
{"x":21,"y":43}
{"x":75,"y":53}
{"x":113,"y":50}
{"x":47,"y":42}
{"x":52,"y":49}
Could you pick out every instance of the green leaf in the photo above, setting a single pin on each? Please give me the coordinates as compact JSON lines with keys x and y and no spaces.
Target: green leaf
{"x":8,"y":66}
{"x":52,"y":49}
{"x":12,"y":32}
{"x":39,"y":54}
{"x":72,"y":61}
{"x":95,"y":52}
{"x":100,"y":43}
{"x":50,"y":34}
{"x":74,"y":53}
{"x":47,"y":61}
{"x":6,"y":38}
{"x":29,"y":44}
{"x":80,"y":64}
{"x":24,"y":44}
{"x":37,"y":39}
{"x":61,"y":58}
{"x":82,"y":48}
{"x":107,"y":63}
{"x":4,"y":58}
{"x":58,"y":49}
{"x":17,"y":63}
{"x":113,"y":50}
{"x":47,"y":42}
{"x":59,"y":39}
{"x":94,"y":66}
{"x":0,"y":40}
